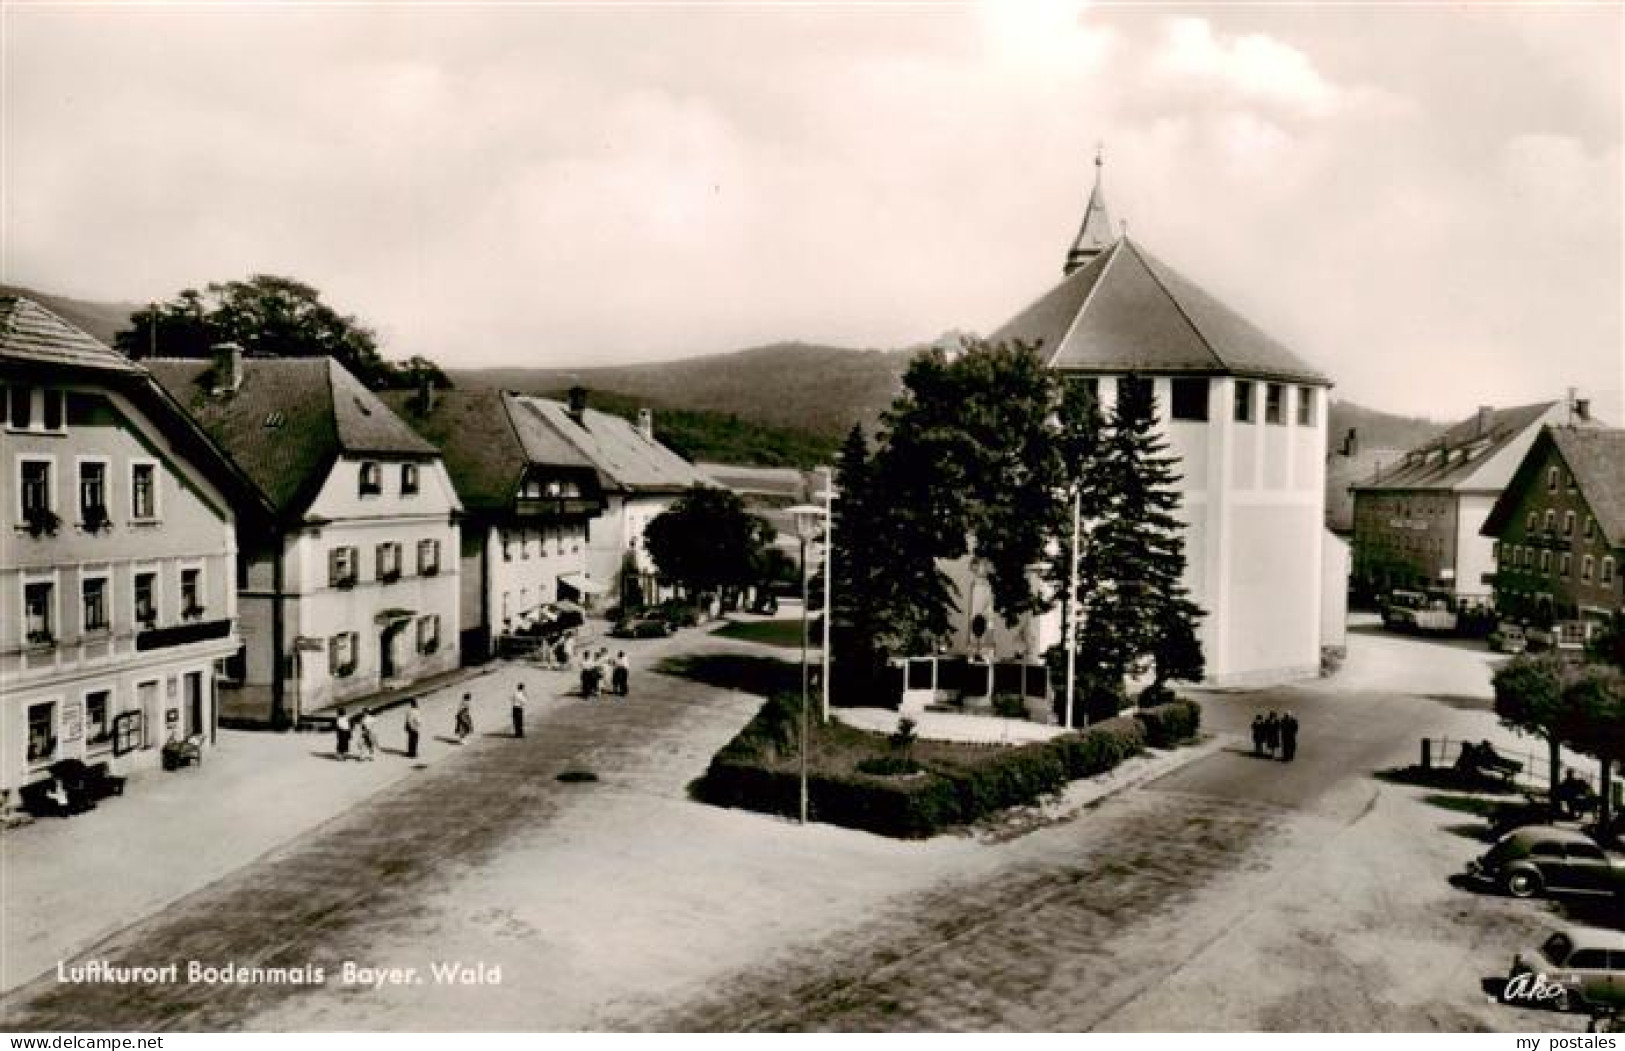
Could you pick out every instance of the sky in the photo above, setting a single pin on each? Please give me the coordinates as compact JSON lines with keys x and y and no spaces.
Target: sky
{"x":1424,"y":201}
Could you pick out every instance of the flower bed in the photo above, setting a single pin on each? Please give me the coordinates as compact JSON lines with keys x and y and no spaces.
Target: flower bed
{"x":954,"y":783}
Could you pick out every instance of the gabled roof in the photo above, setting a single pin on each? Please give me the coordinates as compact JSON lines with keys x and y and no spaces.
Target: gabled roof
{"x":289,"y":420}
{"x":624,"y":458}
{"x":1595,"y":457}
{"x":1125,"y":311}
{"x":487,"y":441}
{"x":1468,"y":456}
{"x":30,"y":334}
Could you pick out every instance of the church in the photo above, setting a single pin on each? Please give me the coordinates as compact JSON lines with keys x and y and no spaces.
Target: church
{"x":1247,"y":419}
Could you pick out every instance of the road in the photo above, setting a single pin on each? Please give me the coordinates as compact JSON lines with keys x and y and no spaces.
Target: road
{"x":1234,"y":893}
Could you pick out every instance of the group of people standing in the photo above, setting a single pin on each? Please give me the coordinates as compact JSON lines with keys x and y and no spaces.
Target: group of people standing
{"x":358,"y":738}
{"x":1276,"y":734}
{"x":595,"y":664}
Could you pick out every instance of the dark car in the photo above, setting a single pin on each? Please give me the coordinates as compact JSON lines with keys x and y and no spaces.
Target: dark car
{"x":641,"y":628}
{"x":1542,"y":859}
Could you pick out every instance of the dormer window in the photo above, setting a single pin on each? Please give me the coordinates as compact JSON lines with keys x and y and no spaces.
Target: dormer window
{"x":409,"y":479}
{"x":372,"y":479}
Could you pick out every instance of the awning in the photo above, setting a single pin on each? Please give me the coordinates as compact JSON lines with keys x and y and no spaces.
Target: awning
{"x":582,"y":583}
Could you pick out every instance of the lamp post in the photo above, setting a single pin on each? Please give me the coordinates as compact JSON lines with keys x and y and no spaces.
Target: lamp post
{"x":1072,"y":611}
{"x":806,"y":520}
{"x":829,"y":582}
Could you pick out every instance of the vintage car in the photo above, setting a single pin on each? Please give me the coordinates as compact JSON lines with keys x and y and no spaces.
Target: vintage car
{"x":1575,"y":968}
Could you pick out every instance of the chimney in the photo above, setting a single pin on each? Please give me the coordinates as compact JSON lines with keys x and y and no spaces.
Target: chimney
{"x":1582,"y":410}
{"x":425,"y":394}
{"x":578,"y":404}
{"x":1485,"y":414}
{"x":646,"y":424}
{"x":228,"y":367}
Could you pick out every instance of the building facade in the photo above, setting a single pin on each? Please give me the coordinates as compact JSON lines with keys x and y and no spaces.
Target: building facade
{"x":116,"y":557}
{"x":529,"y":501}
{"x":1418,"y":523}
{"x":1558,"y":532}
{"x":640,"y":479}
{"x":350,"y":584}
{"x":1247,"y":420}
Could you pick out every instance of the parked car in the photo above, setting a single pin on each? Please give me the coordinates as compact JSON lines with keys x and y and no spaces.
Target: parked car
{"x":1546,"y":860}
{"x":641,"y":628}
{"x":1508,"y":638}
{"x":1575,"y":968}
{"x":1415,"y":611}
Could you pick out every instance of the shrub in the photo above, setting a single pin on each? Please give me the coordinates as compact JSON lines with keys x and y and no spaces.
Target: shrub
{"x":1155,"y":694}
{"x":1170,"y":724}
{"x":1010,"y":706}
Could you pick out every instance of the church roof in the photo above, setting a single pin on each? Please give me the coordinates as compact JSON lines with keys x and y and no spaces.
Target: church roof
{"x":1125,"y":311}
{"x":1095,"y":233}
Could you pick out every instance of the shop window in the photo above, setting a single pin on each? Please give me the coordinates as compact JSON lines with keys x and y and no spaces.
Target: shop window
{"x":1187,"y":398}
{"x":41,"y":732}
{"x":99,"y":717}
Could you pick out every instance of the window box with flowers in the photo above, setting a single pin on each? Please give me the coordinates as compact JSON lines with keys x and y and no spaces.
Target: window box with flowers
{"x":41,"y":521}
{"x":94,"y":518}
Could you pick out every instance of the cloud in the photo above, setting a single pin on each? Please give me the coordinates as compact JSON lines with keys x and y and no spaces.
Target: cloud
{"x":1249,"y":67}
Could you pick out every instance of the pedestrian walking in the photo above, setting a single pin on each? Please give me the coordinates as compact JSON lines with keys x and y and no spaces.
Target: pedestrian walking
{"x":414,"y":726}
{"x":341,"y":730}
{"x":369,"y":738}
{"x":519,"y":710}
{"x":1272,"y":732}
{"x":621,"y":677}
{"x":1258,"y":734}
{"x":465,"y":719}
{"x":1289,"y":737}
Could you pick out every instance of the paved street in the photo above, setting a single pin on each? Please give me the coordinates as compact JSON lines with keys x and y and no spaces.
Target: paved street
{"x":1233,"y":893}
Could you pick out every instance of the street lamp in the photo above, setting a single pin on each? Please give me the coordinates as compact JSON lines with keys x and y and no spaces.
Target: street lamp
{"x":829,"y":584}
{"x":806,"y":518}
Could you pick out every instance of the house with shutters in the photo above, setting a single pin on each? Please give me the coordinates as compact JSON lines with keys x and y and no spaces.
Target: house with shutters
{"x":351,"y":585}
{"x":529,"y":502}
{"x":117,"y":557}
{"x":1246,"y":418}
{"x":1558,"y":533}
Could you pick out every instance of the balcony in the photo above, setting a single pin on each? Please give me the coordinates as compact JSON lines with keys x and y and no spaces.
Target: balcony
{"x":556,"y":507}
{"x":182,"y":634}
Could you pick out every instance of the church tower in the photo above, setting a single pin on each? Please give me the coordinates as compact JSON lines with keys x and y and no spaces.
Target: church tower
{"x":1095,"y":234}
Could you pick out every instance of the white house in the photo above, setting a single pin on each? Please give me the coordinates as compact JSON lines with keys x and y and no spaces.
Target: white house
{"x":116,"y":557}
{"x":529,"y":499}
{"x":1245,"y":416}
{"x":351,"y":585}
{"x":640,"y":478}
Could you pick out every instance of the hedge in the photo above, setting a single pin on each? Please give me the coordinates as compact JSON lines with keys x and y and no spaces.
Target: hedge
{"x":956,"y":783}
{"x":1170,"y":724}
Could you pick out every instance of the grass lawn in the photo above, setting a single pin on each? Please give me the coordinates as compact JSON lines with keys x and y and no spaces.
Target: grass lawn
{"x":785,"y":633}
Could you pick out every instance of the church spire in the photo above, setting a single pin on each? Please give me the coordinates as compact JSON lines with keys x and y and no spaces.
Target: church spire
{"x":1095,"y":235}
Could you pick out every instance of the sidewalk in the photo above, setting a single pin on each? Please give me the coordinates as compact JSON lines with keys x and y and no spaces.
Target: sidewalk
{"x":66,"y":883}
